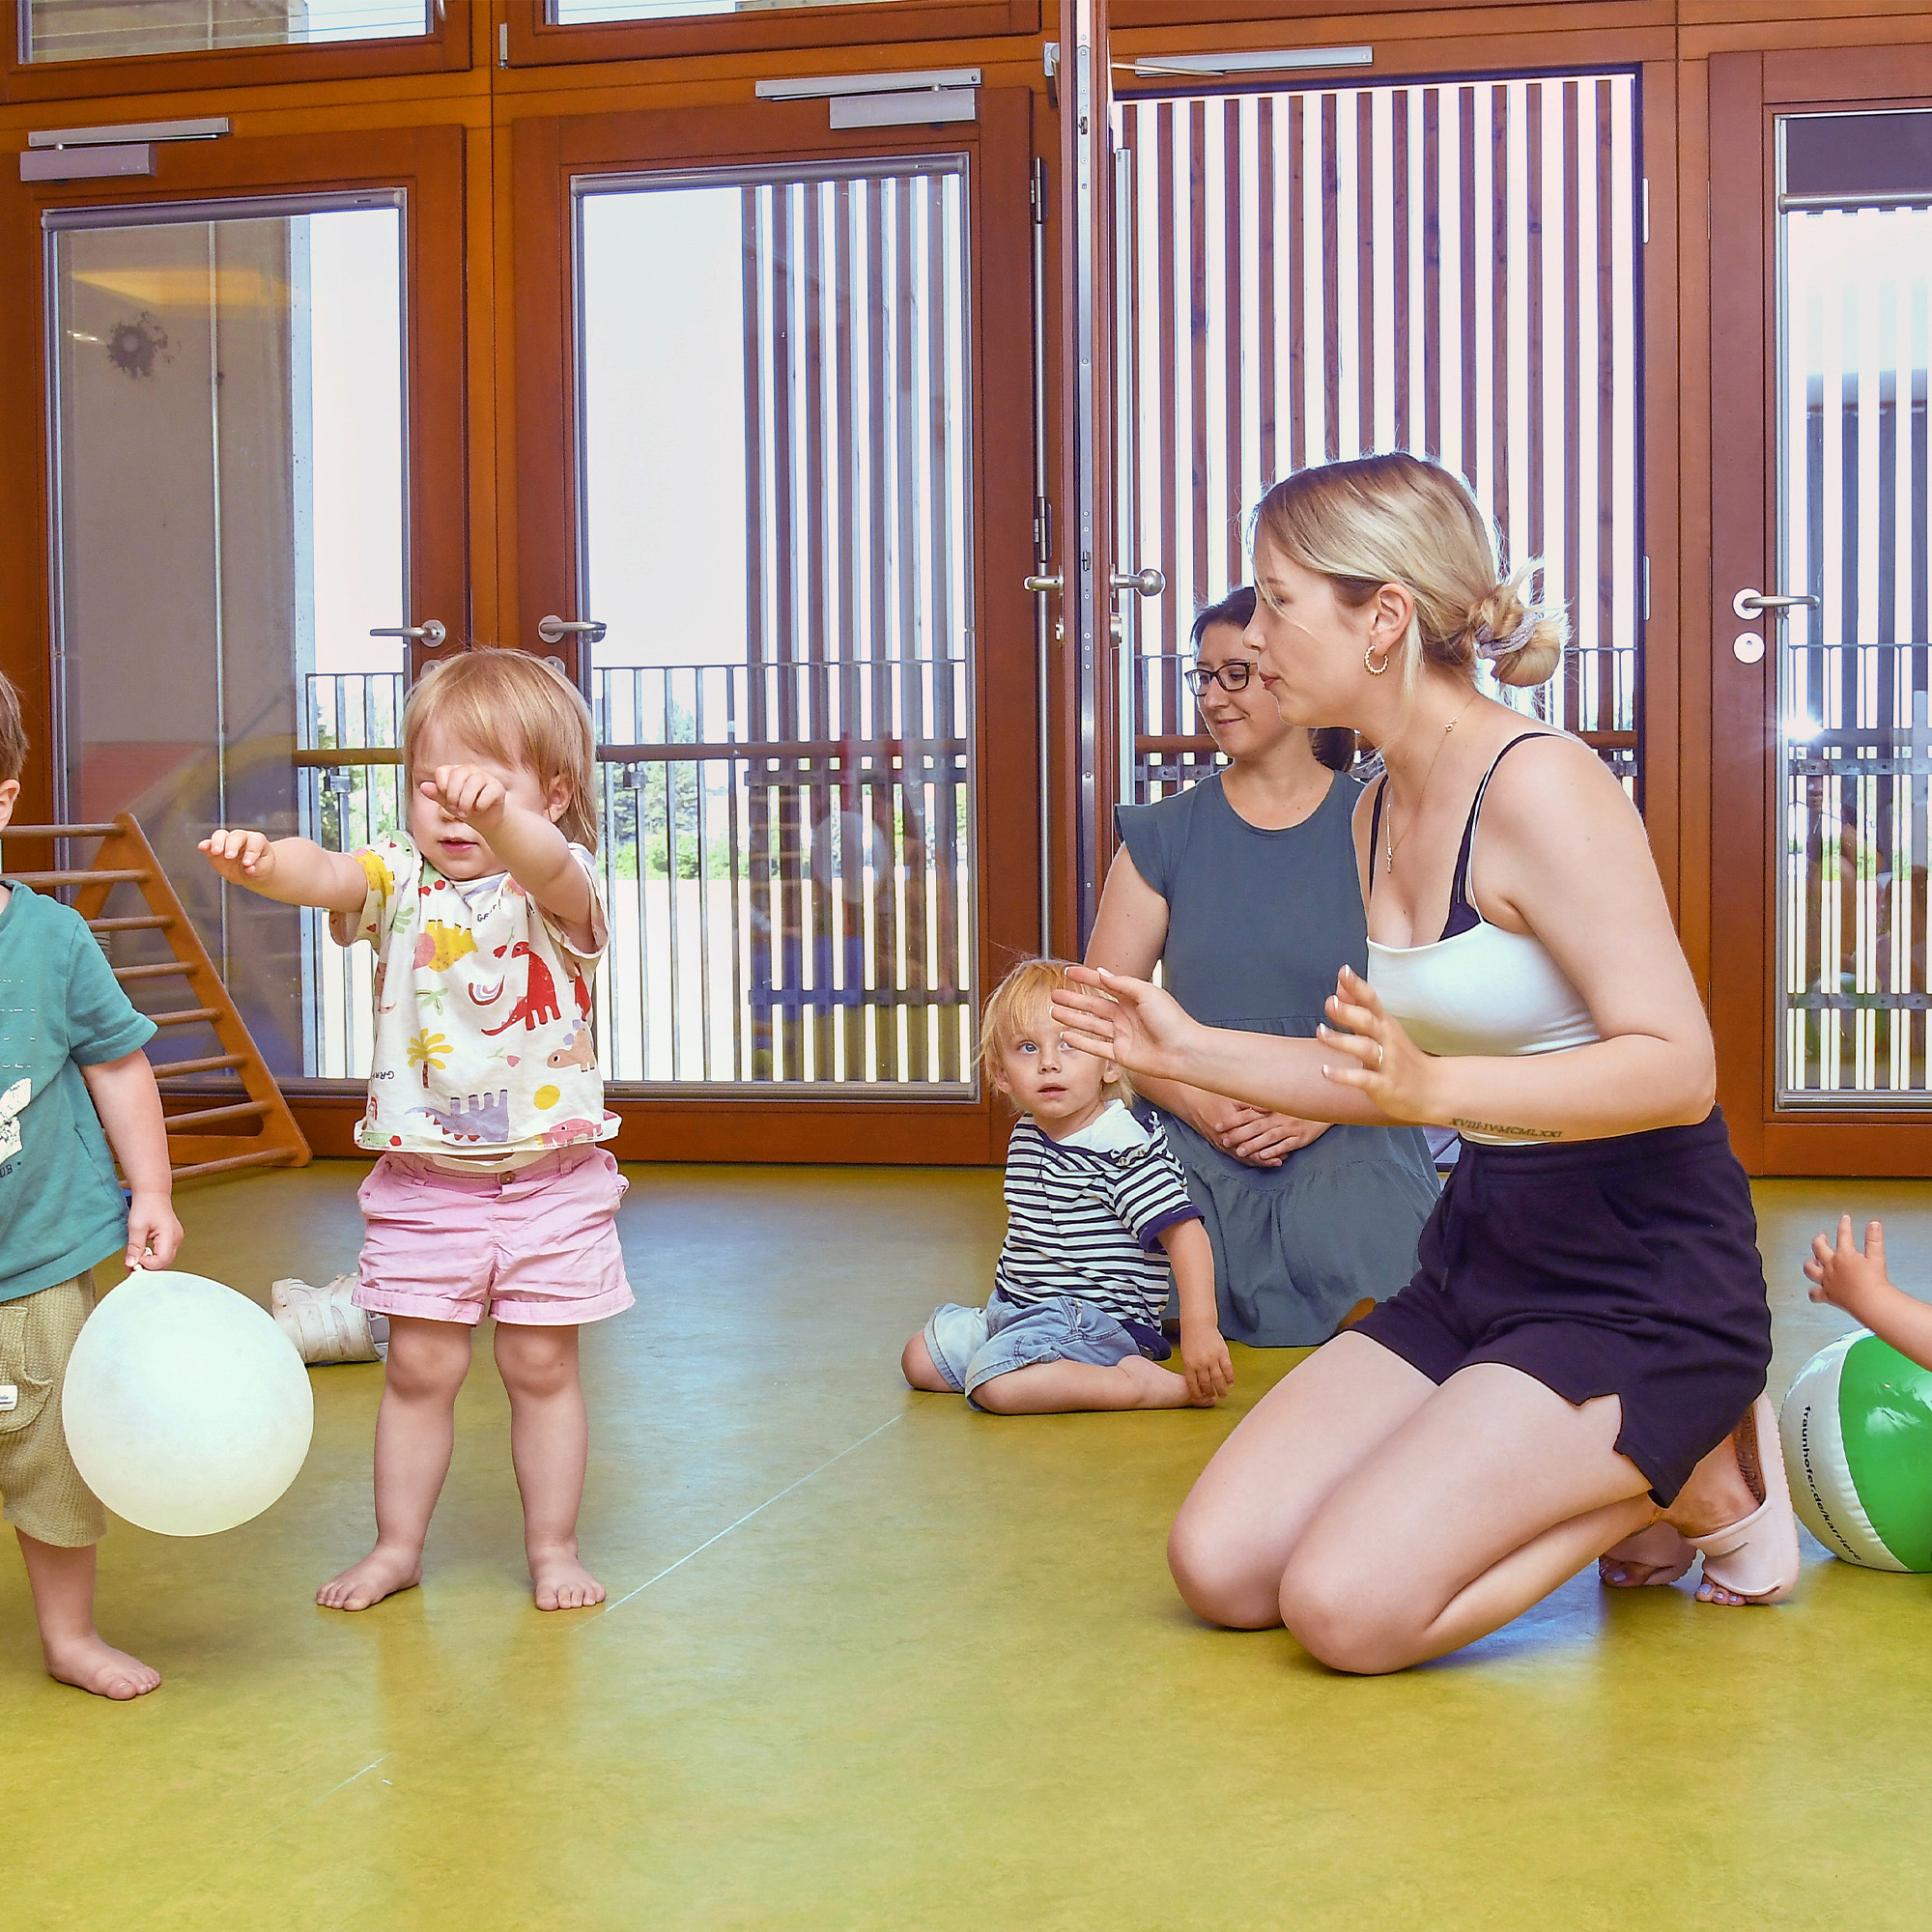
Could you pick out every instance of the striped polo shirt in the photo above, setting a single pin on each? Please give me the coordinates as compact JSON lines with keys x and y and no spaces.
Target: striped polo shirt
{"x":1084,"y":1216}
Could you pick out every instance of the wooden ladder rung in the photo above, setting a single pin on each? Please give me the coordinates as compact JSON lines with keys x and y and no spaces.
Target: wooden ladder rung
{"x":59,"y":831}
{"x":177,"y":1123}
{"x":210,"y":1065}
{"x":274,"y":1139}
{"x":267,"y":1157}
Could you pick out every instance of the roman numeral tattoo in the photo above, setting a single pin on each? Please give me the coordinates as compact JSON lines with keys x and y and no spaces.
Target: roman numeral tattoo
{"x":1514,"y":1133}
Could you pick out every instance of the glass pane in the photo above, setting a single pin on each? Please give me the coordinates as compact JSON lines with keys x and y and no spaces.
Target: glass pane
{"x":1450,"y":269}
{"x":1854,"y":740}
{"x":231,"y":521}
{"x":587,"y":12}
{"x":777,"y":533}
{"x":57,"y":29}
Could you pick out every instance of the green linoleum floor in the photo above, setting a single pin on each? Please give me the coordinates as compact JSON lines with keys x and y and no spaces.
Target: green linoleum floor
{"x":871,"y":1659}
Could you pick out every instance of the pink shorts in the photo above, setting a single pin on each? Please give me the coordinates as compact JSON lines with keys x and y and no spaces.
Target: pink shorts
{"x":538,"y":1246}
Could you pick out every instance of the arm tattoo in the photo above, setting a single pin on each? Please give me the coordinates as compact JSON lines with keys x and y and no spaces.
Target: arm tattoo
{"x":1514,"y":1133}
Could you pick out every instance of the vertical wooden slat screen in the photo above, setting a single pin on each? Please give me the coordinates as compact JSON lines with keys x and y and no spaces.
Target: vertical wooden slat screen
{"x":861,"y":943}
{"x":1321,"y":272}
{"x":1853,"y":730}
{"x":788,"y":842}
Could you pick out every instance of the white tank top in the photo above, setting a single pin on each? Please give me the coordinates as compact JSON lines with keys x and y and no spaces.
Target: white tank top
{"x":1477,"y":989}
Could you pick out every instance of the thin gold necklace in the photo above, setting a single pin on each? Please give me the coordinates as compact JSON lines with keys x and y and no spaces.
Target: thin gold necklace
{"x":1392,"y":842}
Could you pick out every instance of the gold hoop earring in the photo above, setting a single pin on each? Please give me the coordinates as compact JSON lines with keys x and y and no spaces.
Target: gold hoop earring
{"x":1369,"y":661}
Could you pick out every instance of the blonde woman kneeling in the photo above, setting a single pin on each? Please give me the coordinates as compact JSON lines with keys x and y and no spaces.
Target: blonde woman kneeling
{"x":1577,"y":1370}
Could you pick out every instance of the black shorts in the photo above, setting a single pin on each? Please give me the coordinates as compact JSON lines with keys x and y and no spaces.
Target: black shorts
{"x":1626,"y":1267}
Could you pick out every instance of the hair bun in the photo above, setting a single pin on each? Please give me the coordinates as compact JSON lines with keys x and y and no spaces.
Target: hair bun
{"x":1522,"y":639}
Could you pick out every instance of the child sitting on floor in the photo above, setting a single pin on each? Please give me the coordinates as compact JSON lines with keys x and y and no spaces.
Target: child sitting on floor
{"x":70,"y":1063}
{"x":487,"y":927}
{"x":1092,"y":1200}
{"x":1859,"y":1284}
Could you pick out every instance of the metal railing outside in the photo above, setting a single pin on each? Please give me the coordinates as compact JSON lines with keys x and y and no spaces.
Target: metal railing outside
{"x":786,"y":855}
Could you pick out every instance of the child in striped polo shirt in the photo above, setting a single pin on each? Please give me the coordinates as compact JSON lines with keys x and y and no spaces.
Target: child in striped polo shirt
{"x":1097,"y":1211}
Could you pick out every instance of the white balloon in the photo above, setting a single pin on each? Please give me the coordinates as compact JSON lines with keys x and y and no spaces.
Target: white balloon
{"x":186,"y":1408}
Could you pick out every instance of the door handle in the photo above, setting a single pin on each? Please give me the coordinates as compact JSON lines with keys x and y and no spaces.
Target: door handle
{"x":1749,"y":604}
{"x":430,"y":631}
{"x":1149,"y":583}
{"x":554,"y":630}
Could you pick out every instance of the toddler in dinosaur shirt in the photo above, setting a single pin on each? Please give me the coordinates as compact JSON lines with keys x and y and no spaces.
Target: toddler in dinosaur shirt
{"x":489,"y":1194}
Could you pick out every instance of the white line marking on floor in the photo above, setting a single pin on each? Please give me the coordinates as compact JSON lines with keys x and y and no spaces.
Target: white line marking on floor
{"x":740,"y":1523}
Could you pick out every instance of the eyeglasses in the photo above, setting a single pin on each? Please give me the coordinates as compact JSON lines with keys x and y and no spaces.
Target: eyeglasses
{"x":1234,"y":675}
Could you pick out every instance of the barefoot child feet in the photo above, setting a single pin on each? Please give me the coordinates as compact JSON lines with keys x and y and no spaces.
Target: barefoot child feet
{"x":485,"y":1100}
{"x":70,"y":1050}
{"x":1859,"y":1284}
{"x":1096,"y":1210}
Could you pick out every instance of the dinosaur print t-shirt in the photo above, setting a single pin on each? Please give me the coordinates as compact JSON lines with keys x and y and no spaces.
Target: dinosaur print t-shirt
{"x":484,"y":1051}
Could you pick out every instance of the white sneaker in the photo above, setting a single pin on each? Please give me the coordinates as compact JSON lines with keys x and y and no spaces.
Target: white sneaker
{"x":325,"y":1324}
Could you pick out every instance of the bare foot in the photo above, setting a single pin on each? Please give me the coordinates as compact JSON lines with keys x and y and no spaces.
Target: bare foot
{"x":380,"y":1574}
{"x":89,"y":1664}
{"x":562,"y":1582}
{"x":1658,"y":1554}
{"x":1723,"y":1489}
{"x":1158,"y":1387}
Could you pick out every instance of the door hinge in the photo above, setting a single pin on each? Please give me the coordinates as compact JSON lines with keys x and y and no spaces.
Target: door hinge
{"x":503,"y":44}
{"x":1646,"y":211}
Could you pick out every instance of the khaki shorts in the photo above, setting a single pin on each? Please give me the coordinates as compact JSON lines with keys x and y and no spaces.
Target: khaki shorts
{"x":40,"y":1487}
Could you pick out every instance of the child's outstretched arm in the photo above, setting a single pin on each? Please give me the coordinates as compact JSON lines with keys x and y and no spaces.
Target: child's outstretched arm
{"x":296,"y":871}
{"x":1859,"y":1284}
{"x":1204,"y":1360}
{"x":533,"y":851}
{"x":130,"y":1105}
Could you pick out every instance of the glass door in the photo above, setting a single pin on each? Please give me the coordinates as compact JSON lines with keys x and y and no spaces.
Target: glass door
{"x":251,"y":558}
{"x":1317,"y":273}
{"x":1822,"y":333}
{"x":775,"y":592}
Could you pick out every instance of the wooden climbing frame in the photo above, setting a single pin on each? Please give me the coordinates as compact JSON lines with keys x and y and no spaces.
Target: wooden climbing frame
{"x":260,"y":1131}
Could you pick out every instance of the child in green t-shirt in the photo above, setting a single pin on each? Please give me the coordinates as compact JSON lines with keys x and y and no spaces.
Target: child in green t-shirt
{"x":70,"y":1063}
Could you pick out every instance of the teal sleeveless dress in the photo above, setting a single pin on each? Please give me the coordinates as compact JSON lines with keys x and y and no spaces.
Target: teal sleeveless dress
{"x":1258,"y":923}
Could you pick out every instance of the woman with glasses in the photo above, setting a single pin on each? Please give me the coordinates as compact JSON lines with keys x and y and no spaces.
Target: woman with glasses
{"x":1244,"y":886}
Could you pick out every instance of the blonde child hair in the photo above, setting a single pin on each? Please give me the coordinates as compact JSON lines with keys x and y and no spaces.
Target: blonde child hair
{"x":520,"y":711}
{"x":1016,"y":1006}
{"x":1396,"y":519}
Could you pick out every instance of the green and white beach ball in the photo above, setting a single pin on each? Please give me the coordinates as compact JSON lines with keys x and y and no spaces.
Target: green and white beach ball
{"x":1857,"y":1447}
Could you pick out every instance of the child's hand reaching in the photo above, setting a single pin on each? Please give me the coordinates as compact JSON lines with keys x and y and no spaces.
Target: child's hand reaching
{"x":1847,"y":1279}
{"x":1206,"y":1363}
{"x":242,"y":858}
{"x":468,"y":794}
{"x":1859,"y":1284}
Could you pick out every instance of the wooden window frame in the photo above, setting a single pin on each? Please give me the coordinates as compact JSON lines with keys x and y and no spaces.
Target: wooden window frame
{"x":428,"y":162}
{"x":1749,"y":87}
{"x":759,"y":1122}
{"x":445,"y":49}
{"x":534,"y":41}
{"x":1418,"y":42}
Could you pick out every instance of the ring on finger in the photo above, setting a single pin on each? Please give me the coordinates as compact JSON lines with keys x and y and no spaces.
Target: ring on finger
{"x":1381,"y":1056}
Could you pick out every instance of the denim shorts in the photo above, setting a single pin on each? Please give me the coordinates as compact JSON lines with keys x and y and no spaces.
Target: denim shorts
{"x":971,"y":1346}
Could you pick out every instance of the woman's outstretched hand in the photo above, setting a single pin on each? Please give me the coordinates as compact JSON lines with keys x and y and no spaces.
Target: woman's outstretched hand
{"x":1374,"y":1055}
{"x":1128,"y":1021}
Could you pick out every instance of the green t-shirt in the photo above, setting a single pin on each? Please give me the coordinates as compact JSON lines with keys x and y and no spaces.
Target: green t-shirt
{"x":60,"y":1009}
